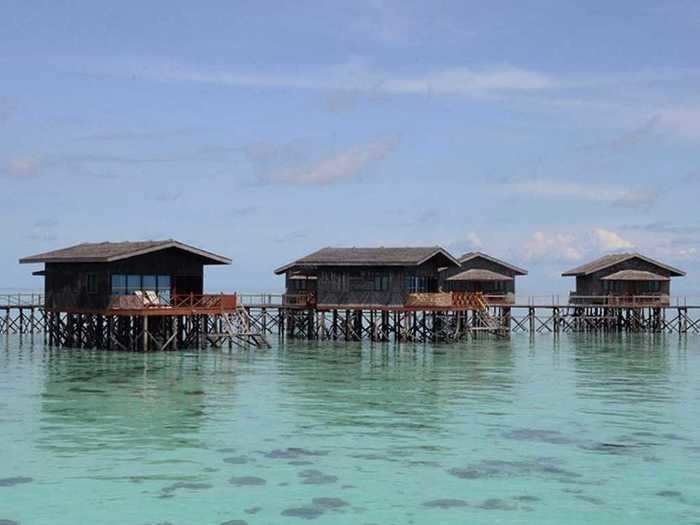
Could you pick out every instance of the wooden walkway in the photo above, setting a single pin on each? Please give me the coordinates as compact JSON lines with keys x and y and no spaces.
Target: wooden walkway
{"x":259,"y":315}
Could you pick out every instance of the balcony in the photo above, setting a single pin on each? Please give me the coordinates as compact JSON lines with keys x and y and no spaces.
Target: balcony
{"x":630,"y":301}
{"x":149,"y":303}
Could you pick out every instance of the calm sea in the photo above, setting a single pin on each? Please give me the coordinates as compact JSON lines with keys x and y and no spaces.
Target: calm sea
{"x":577,"y":430}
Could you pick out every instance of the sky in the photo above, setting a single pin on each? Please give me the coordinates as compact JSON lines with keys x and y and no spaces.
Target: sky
{"x":544,"y":133}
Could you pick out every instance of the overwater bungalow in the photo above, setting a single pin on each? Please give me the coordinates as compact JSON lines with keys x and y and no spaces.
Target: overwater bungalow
{"x":623,"y":278}
{"x":478,"y":272}
{"x":365,"y":276}
{"x":105,"y":276}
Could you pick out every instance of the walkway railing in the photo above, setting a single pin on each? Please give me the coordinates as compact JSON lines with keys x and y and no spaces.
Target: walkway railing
{"x":621,"y":300}
{"x":16,"y":300}
{"x":261,"y":299}
{"x":22,"y":299}
{"x":184,"y":301}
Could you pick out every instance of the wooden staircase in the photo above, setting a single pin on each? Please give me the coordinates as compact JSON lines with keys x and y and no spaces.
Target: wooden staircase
{"x":487,"y":322}
{"x":238,"y":330}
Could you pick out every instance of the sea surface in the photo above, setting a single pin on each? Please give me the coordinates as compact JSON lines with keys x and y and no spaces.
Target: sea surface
{"x":595,"y":430}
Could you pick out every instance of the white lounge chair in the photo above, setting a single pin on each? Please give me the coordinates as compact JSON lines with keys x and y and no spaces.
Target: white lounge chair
{"x":152,"y":298}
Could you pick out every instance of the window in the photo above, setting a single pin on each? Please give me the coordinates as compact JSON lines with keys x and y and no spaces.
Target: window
{"x":92,"y":283}
{"x":336,"y":282}
{"x":148,"y":282}
{"x":133,"y":283}
{"x":118,"y":284}
{"x":164,"y":287}
{"x":419,"y":284}
{"x":128,"y":284}
{"x":381,"y":282}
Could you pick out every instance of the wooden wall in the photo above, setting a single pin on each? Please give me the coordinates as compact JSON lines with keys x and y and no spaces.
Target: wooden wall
{"x":356,"y":285}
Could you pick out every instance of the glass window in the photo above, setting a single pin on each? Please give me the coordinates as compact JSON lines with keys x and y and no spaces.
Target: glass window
{"x":164,"y":283}
{"x":118,"y":284}
{"x":133,"y":283}
{"x":164,"y":288}
{"x":381,"y":283}
{"x":92,"y":283}
{"x":148,"y":282}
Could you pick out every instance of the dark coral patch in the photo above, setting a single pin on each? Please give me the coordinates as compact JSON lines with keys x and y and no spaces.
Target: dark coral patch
{"x":11,"y":482}
{"x":305,"y":513}
{"x":590,"y":499}
{"x":447,"y":503}
{"x":236,"y":460}
{"x":294,"y":453}
{"x":329,"y":503}
{"x":185,"y":485}
{"x":544,"y":436}
{"x":242,"y":481}
{"x":497,"y":504}
{"x":316,"y":477}
{"x":527,"y":499}
{"x":498,"y":468}
{"x":669,"y":494}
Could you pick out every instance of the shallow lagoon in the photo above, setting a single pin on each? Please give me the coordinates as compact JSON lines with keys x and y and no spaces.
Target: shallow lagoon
{"x":579,"y":430}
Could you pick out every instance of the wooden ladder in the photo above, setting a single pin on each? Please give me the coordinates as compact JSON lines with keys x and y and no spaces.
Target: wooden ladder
{"x":481,"y":309}
{"x":238,"y":327}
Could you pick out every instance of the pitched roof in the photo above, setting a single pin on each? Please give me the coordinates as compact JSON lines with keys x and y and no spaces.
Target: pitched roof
{"x":474,"y":255}
{"x":479,"y":275}
{"x":104,"y":252}
{"x":404,"y":256}
{"x":609,"y":260}
{"x":634,"y":275}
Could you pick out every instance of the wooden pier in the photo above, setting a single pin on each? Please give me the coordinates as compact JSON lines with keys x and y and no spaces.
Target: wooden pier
{"x":192,"y":321}
{"x":220,"y":321}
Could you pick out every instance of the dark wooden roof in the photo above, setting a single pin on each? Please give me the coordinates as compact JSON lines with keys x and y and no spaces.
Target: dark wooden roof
{"x":479,"y":275}
{"x":104,"y":252}
{"x":634,"y":275}
{"x":474,"y":255}
{"x":616,"y":258}
{"x":404,"y":256}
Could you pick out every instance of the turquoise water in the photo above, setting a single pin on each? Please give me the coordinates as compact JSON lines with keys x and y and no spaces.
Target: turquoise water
{"x":580,"y":430}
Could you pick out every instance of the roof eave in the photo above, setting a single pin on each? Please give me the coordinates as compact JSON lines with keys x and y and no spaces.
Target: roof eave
{"x":212,"y":257}
{"x":516,"y":269}
{"x":441,"y":251}
{"x":218,"y":259}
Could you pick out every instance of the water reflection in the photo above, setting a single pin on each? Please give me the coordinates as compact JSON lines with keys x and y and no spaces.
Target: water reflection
{"x":93,"y":400}
{"x":382,"y":389}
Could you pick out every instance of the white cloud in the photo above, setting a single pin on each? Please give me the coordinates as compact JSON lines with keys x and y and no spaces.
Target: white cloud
{"x":608,"y":240}
{"x":22,"y":167}
{"x":473,"y":240}
{"x":573,"y":247}
{"x":8,"y":108}
{"x":590,"y":191}
{"x":468,"y":243}
{"x":557,"y":246}
{"x":462,"y":81}
{"x":286,"y":164}
{"x":683,"y":122}
{"x":355,"y":75}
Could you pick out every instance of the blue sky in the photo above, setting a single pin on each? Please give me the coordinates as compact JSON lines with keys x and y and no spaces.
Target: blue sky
{"x":546,"y":134}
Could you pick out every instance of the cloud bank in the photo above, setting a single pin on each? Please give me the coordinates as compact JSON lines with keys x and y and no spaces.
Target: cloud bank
{"x":288,"y":165}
